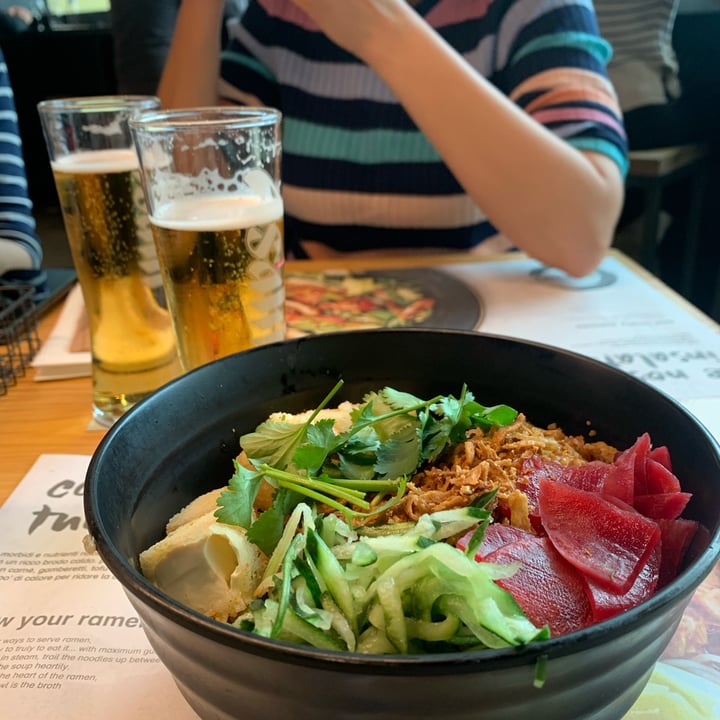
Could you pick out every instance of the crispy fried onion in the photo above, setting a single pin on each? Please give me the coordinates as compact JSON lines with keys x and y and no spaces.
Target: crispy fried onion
{"x":486,"y":461}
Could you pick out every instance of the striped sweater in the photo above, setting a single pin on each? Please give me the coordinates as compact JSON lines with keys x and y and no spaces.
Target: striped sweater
{"x":644,"y":68}
{"x":17,"y":223}
{"x":356,"y":171}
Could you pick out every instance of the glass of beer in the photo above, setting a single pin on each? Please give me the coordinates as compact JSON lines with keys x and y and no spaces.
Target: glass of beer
{"x":97,"y":177}
{"x":212,"y":184}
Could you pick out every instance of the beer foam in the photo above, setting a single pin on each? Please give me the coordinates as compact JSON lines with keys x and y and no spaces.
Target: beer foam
{"x":217,"y":212}
{"x":111,"y":160}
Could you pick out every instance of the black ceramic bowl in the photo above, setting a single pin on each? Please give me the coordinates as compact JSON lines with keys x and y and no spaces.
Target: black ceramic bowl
{"x":180,"y":442}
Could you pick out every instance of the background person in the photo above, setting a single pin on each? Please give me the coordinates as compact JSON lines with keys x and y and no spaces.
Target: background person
{"x":664,"y":68}
{"x":401,"y":123}
{"x":142,"y":31}
{"x":20,"y":247}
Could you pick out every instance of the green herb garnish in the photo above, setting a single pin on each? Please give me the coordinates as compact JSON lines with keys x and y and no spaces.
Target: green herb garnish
{"x":359,"y":472}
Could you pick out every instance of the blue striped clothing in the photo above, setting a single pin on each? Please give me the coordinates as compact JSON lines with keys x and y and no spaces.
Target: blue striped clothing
{"x":17,"y":222}
{"x":356,"y":171}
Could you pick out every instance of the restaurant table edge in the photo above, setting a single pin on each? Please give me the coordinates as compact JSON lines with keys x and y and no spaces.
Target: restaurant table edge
{"x":54,"y":417}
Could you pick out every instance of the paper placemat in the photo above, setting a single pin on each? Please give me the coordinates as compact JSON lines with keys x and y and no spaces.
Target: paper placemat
{"x":71,"y":645}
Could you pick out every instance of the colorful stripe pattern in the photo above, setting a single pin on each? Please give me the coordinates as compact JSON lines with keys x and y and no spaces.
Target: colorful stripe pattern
{"x":357,"y":173}
{"x":640,"y":29}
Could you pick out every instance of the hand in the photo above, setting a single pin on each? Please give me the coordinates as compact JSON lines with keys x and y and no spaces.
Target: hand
{"x":21,"y":12}
{"x":355,"y":24}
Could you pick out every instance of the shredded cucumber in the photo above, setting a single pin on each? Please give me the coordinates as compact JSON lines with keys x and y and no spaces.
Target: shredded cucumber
{"x":388,"y":592}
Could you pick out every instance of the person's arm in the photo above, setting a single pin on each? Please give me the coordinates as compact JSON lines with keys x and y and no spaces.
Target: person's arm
{"x":191,"y":72}
{"x":554,"y":202}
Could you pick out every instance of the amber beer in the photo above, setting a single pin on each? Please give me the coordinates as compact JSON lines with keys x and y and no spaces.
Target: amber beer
{"x":132,"y":343}
{"x":222,"y":258}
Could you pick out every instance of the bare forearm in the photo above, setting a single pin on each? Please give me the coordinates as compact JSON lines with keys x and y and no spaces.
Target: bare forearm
{"x":552,"y":201}
{"x":190,"y":75}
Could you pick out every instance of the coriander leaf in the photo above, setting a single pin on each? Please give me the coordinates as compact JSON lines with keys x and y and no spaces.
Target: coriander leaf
{"x":321,"y":433}
{"x":356,"y":462}
{"x":398,"y":400}
{"x":267,"y":530}
{"x":362,"y":447}
{"x":376,"y":415}
{"x":457,"y":412}
{"x":390,"y":436}
{"x":320,"y":442}
{"x":236,"y":503}
{"x":357,"y":449}
{"x":362,"y":417}
{"x":453,"y":408}
{"x":435,"y":434}
{"x":390,"y":425}
{"x":496,"y":416}
{"x":273,"y":442}
{"x":309,"y":457}
{"x":400,"y":454}
{"x":466,"y":413}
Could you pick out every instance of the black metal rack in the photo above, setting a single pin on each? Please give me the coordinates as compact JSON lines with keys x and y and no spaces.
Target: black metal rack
{"x":19,"y":339}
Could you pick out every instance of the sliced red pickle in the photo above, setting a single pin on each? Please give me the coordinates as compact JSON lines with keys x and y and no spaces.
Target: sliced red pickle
{"x":548,"y":588}
{"x":676,"y":538}
{"x":661,"y":454}
{"x":606,"y":542}
{"x":606,"y":603}
{"x":621,"y":479}
{"x":496,"y":535}
{"x":659,"y":479}
{"x":662,"y":505}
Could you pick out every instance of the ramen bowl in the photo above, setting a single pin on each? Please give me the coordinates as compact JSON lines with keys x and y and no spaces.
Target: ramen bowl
{"x":181,"y":441}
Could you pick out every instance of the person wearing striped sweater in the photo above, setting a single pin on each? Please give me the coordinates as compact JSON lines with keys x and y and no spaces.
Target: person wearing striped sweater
{"x":20,"y":247}
{"x":465,"y":125}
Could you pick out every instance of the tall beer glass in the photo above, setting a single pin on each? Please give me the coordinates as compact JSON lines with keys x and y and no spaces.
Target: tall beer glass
{"x":97,"y":178}
{"x":212,"y":184}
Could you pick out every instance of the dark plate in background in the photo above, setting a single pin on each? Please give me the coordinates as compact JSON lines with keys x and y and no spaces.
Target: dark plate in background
{"x":454,"y":304}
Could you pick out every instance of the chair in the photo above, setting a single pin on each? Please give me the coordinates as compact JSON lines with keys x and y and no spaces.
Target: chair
{"x":652,"y":171}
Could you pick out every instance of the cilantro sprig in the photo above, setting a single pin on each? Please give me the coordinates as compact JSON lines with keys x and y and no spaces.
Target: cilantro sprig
{"x":359,"y":472}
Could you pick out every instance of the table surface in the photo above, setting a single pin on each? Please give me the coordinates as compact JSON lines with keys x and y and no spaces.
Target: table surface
{"x":54,"y":416}
{"x":49,"y":417}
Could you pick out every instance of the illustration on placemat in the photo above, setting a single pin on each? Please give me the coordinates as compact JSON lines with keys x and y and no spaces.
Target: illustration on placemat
{"x":342,"y":300}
